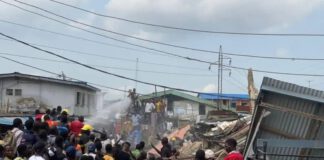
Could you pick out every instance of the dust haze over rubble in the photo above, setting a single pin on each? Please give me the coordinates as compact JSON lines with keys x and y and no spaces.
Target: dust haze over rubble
{"x":104,"y":117}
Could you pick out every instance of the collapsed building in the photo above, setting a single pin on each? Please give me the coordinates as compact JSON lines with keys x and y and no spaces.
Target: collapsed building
{"x":287,"y":123}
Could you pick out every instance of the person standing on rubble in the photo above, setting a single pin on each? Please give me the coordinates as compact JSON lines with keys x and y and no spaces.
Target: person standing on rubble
{"x":149,"y":107}
{"x":230,"y":147}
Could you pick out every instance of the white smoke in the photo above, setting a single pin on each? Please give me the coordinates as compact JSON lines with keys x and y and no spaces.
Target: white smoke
{"x":105,"y":116}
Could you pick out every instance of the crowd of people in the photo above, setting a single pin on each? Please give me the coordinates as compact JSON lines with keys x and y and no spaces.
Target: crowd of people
{"x":55,"y":135}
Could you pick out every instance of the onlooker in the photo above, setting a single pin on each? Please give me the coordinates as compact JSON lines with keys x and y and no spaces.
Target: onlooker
{"x":70,"y":153}
{"x":9,"y":153}
{"x":76,"y":126}
{"x":39,"y":150}
{"x":109,"y":152}
{"x":166,"y":150}
{"x":29,"y":138}
{"x":58,"y":113}
{"x":230,"y":147}
{"x":1,"y":152}
{"x":17,"y":133}
{"x":200,"y":155}
{"x":98,"y":145}
{"x":138,"y":150}
{"x":21,"y":152}
{"x":38,"y":115}
{"x":52,"y":134}
{"x":125,"y":153}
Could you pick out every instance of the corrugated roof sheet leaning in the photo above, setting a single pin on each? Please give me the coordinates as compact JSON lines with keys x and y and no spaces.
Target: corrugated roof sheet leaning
{"x":296,"y":113}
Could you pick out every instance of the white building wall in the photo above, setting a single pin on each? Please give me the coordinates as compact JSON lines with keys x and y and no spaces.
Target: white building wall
{"x":50,"y":94}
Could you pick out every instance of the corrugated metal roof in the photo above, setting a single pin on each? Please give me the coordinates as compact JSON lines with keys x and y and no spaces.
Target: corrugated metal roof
{"x":296,"y":113}
{"x":216,"y":96}
{"x":178,"y":94}
{"x":48,"y":79}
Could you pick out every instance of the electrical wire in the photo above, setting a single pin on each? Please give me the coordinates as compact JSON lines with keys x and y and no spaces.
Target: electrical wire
{"x":115,"y":58}
{"x":110,"y":67}
{"x":93,"y":68}
{"x":142,"y":51}
{"x":78,"y":37}
{"x":56,"y":74}
{"x":115,"y":39}
{"x":102,"y":71}
{"x":189,"y":29}
{"x":156,"y":42}
{"x":96,"y":69}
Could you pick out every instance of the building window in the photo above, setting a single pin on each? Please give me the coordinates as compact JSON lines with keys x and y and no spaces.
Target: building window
{"x":9,"y":92}
{"x":233,"y":105}
{"x":202,"y":109}
{"x":78,"y":99}
{"x":244,"y":104}
{"x":83,"y":100}
{"x":18,"y":92}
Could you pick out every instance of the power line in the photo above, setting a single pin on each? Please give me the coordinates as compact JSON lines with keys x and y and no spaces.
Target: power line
{"x":189,"y":29}
{"x":115,"y":39}
{"x":77,"y":37}
{"x":151,"y":41}
{"x":100,"y":85}
{"x":273,"y":72}
{"x":228,"y":66}
{"x":56,"y":74}
{"x":115,"y":58}
{"x":99,"y":70}
{"x":109,"y":67}
{"x":106,"y":30}
{"x":96,"y":69}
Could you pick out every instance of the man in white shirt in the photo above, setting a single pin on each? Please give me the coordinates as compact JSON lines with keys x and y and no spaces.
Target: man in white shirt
{"x":149,"y":107}
{"x":39,"y":151}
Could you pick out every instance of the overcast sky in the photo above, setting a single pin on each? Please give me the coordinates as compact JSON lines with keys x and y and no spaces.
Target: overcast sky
{"x":276,"y":16}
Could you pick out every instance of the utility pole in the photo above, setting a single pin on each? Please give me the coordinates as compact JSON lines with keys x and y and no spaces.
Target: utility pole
{"x":220,"y":74}
{"x":136,"y":73}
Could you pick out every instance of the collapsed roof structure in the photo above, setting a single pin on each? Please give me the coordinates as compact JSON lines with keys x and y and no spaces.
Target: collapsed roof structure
{"x":287,"y":123}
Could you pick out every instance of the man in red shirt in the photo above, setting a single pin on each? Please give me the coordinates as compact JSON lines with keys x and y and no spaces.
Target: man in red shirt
{"x":230,"y":147}
{"x":76,"y":126}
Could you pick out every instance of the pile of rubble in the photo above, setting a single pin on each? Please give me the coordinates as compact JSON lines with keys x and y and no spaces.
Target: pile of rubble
{"x":211,"y":135}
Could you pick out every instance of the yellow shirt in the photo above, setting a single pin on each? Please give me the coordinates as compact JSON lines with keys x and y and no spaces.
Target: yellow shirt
{"x":108,"y":157}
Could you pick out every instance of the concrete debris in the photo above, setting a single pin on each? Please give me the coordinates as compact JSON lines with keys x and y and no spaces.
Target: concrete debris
{"x":212,"y":135}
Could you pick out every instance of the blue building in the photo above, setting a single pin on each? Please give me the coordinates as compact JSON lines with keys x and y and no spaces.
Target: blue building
{"x":235,"y":102}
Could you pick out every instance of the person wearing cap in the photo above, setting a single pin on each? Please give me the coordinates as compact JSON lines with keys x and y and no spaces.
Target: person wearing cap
{"x":85,"y":137}
{"x":230,"y":147}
